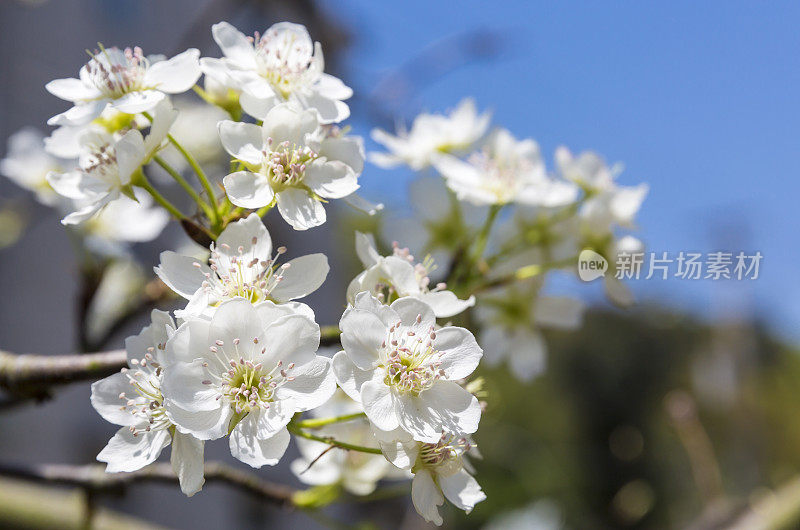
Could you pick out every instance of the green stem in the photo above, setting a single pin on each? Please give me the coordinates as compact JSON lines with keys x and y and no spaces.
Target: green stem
{"x":263,"y":211}
{"x":201,"y":176}
{"x":294,"y":429}
{"x":483,"y":235}
{"x":463,"y":271}
{"x":185,"y":185}
{"x":316,"y":423}
{"x":523,"y":273}
{"x":160,"y":199}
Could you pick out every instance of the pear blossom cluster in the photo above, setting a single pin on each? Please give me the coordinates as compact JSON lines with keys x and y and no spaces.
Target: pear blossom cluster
{"x":540,"y":221}
{"x":239,"y":356}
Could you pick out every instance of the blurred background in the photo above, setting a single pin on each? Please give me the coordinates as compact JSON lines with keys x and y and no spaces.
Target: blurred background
{"x":678,"y":413}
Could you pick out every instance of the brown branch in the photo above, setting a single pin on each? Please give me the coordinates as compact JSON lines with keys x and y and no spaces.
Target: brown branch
{"x":31,"y":376}
{"x":93,"y":477}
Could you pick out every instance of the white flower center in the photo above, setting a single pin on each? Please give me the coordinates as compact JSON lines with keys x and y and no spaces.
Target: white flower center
{"x":500,"y":175}
{"x":248,"y":276}
{"x":148,"y":403}
{"x":445,"y":456}
{"x":411,"y":362}
{"x":285,"y":164}
{"x":116,"y":72}
{"x":247,"y":386}
{"x":384,"y":290}
{"x":101,"y":162}
{"x":284,"y":60}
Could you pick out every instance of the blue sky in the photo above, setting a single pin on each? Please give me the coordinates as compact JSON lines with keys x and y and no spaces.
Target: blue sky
{"x":700,"y":100}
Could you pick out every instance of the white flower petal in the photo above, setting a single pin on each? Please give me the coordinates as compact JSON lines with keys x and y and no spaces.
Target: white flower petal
{"x":138,"y":101}
{"x":72,"y":89}
{"x":247,"y":189}
{"x":380,"y":405}
{"x":333,"y":87}
{"x":349,"y":150}
{"x":313,"y":385}
{"x":410,"y":310}
{"x":241,"y":234}
{"x":402,"y":454}
{"x":331,"y":180}
{"x":461,"y":489}
{"x":299,"y":209}
{"x":322,"y":472}
{"x":459,"y":352}
{"x":363,"y":332}
{"x":445,"y":303}
{"x":420,"y":419}
{"x":359,"y":203}
{"x":234,"y":44}
{"x":303,"y":276}
{"x":349,"y":376}
{"x":80,"y":114}
{"x":366,"y":249}
{"x":291,"y":339}
{"x":237,"y":319}
{"x":242,"y":141}
{"x":204,"y":424}
{"x":177,"y":74}
{"x":269,"y":311}
{"x":187,"y":462}
{"x":258,"y":107}
{"x":180,"y":273}
{"x":70,"y":184}
{"x":329,"y":110}
{"x":255,"y":452}
{"x":270,"y":421}
{"x":126,"y":452}
{"x":426,"y":497}
{"x":285,"y":122}
{"x":130,"y":153}
{"x":457,"y":410}
{"x":106,"y":401}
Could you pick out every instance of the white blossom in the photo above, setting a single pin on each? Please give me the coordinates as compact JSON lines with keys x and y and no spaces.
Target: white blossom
{"x":512,"y":322}
{"x":242,"y":264}
{"x":27,"y":164}
{"x":125,"y":221}
{"x":282,"y":65}
{"x":607,"y":206}
{"x":133,"y":399}
{"x":125,"y":80}
{"x":245,"y":372}
{"x":607,"y":203}
{"x":403,"y":370}
{"x":430,"y":136}
{"x":356,"y":471}
{"x":107,"y":164}
{"x":293,"y":160}
{"x":387,"y":277}
{"x":615,"y":289}
{"x":505,"y":170}
{"x":441,"y":470}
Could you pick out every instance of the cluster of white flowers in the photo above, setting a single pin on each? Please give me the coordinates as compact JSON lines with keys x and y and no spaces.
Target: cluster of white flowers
{"x":555,"y":216}
{"x":240,"y":359}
